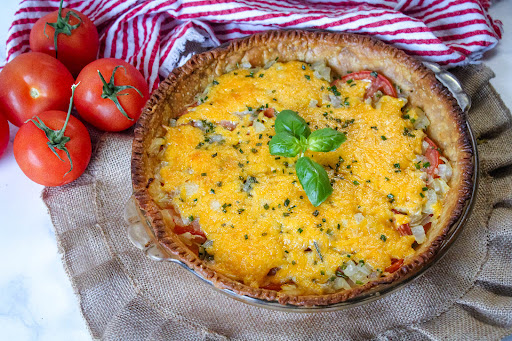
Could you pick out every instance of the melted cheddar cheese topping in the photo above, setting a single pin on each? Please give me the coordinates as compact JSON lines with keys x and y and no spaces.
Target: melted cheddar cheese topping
{"x":261,"y":227}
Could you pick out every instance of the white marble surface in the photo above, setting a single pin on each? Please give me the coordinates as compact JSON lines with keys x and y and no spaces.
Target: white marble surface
{"x":36,"y":298}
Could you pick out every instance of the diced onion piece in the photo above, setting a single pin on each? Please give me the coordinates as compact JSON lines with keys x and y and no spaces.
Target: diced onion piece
{"x":440,"y":185}
{"x":431,"y":201}
{"x":420,"y":158}
{"x":322,"y":71}
{"x":358,"y":217}
{"x":416,"y":215}
{"x":215,"y":205}
{"x":364,"y":269}
{"x":216,"y":138}
{"x":335,"y":101}
{"x":156,"y":144}
{"x":424,"y":146}
{"x":258,"y":127}
{"x":198,"y":124}
{"x":341,"y":283}
{"x":422,"y":122}
{"x":269,"y":64}
{"x":246,"y":65}
{"x":166,"y":214}
{"x":172,"y":122}
{"x":419,"y":233}
{"x":187,"y":238}
{"x":241,"y":114}
{"x":190,"y":188}
{"x":359,"y":278}
{"x":313,"y":103}
{"x":290,"y":289}
{"x":444,"y":171}
{"x":350,"y":269}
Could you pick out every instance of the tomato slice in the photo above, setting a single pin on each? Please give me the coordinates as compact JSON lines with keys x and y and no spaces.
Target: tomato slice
{"x":395,"y":265}
{"x":404,"y":230}
{"x":433,"y":156}
{"x":427,"y":226}
{"x":194,"y":229}
{"x":272,"y":286}
{"x":378,"y":82}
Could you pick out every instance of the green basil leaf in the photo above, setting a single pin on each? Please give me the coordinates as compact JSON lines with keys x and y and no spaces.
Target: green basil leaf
{"x":325,"y":140}
{"x":284,"y":144}
{"x":288,"y":121}
{"x":314,"y":180}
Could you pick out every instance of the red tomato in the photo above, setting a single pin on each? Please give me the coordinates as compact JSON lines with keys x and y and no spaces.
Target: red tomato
{"x":76,"y":50}
{"x":37,"y":160}
{"x":33,"y":83}
{"x":433,"y":156}
{"x":378,"y":82}
{"x":4,"y":134}
{"x":395,"y":265}
{"x":92,"y":96}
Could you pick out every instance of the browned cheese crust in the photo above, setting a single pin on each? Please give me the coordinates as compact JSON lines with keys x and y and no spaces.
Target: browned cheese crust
{"x":342,"y":52}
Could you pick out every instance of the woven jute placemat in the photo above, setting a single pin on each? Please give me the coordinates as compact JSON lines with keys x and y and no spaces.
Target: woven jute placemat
{"x":123,"y":295}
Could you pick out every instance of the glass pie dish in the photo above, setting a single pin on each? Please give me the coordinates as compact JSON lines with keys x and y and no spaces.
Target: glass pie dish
{"x":148,"y":237}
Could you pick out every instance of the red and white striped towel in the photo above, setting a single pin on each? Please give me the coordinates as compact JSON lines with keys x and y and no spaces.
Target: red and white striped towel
{"x":153,"y":35}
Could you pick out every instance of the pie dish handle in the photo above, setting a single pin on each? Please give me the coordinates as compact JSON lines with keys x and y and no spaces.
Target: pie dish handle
{"x":452,"y":84}
{"x":140,"y":233}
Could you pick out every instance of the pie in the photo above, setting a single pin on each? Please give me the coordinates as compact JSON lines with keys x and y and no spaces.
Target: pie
{"x":225,"y":189}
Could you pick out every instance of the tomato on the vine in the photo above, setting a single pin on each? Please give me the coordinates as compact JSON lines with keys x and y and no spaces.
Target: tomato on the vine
{"x":68,"y":35}
{"x":54,"y":148}
{"x":112,"y":105}
{"x":4,"y":134}
{"x":31,"y":83}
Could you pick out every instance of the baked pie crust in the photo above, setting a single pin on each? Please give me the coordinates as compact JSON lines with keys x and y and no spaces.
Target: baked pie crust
{"x":341,"y":52}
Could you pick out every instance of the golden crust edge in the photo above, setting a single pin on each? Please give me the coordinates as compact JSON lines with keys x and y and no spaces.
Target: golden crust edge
{"x":172,"y":243}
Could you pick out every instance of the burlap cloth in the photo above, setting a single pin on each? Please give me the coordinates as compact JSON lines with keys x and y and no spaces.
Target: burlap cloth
{"x":123,"y":295}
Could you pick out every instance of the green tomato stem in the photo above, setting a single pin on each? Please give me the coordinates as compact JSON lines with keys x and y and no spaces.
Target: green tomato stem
{"x":56,"y":138}
{"x":62,"y":25}
{"x":112,"y":91}
{"x":61,"y":131}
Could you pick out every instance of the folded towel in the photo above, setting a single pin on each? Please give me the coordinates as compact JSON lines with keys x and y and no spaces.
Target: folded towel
{"x":154,"y":35}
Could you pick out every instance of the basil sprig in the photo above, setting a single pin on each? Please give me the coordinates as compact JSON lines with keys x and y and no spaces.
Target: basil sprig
{"x":288,"y":121}
{"x":294,"y":137}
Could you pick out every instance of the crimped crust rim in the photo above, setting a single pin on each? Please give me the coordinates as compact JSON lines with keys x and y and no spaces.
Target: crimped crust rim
{"x":173,"y":245}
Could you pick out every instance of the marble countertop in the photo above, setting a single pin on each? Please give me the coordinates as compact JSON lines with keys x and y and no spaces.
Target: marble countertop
{"x":36,"y":298}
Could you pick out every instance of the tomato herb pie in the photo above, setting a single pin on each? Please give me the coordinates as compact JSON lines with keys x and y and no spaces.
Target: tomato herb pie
{"x":302,"y":167}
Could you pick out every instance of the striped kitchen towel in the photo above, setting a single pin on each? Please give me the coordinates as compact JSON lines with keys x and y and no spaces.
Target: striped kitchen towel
{"x":154,"y":35}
